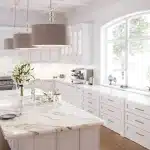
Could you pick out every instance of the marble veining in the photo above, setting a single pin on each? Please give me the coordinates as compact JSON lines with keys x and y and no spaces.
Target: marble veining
{"x":47,"y":118}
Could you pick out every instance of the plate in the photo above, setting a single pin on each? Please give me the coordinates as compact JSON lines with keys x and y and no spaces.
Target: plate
{"x":7,"y":116}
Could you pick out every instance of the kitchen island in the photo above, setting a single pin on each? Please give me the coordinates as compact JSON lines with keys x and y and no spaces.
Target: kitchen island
{"x":53,"y":126}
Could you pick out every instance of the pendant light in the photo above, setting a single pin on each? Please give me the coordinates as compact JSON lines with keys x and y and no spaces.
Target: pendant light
{"x":8,"y":43}
{"x":49,"y":35}
{"x":23,"y":40}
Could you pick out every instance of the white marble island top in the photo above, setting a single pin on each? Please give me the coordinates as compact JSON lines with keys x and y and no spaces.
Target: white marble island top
{"x":47,"y":118}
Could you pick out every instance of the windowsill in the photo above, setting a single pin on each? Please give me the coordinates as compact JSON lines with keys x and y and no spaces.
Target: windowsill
{"x":147,"y":93}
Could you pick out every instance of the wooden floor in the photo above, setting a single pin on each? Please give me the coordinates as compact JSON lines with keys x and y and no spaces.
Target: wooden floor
{"x":112,"y":141}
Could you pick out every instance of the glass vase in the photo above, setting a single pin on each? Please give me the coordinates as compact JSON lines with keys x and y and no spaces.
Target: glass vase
{"x":20,"y":100}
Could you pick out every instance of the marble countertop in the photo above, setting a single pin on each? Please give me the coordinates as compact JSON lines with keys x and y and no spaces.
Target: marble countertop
{"x":137,"y":96}
{"x":47,"y":118}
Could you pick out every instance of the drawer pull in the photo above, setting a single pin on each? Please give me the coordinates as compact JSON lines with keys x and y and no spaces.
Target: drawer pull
{"x":110,"y":121}
{"x":90,"y":93}
{"x":139,"y":134}
{"x":90,"y":111}
{"x":110,"y":100}
{"x":139,"y":121}
{"x":110,"y":110}
{"x":139,"y":109}
{"x":89,"y":102}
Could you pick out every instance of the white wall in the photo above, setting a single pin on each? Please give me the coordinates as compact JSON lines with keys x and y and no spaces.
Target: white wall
{"x":101,"y":12}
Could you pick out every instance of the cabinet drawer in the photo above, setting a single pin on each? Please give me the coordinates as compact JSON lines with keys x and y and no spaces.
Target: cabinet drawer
{"x":113,"y":101}
{"x":94,"y":103}
{"x":138,"y":121}
{"x":137,"y":135}
{"x":137,"y":108}
{"x":91,"y":110}
{"x":90,"y":93}
{"x":111,"y":123}
{"x":111,"y":111}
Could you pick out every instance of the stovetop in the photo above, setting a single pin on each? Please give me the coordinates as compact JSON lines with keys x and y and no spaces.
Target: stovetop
{"x":6,"y":83}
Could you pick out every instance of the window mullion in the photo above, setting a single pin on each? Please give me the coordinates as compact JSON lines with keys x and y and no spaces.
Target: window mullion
{"x":106,"y":53}
{"x":126,"y":53}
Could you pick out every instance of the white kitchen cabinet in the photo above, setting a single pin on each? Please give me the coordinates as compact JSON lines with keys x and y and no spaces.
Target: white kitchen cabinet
{"x":90,"y":138}
{"x":111,"y":122}
{"x":68,"y":140}
{"x":91,"y":101}
{"x":80,"y":45}
{"x":45,"y":55}
{"x":61,"y":87}
{"x":48,"y":142}
{"x":137,"y":122}
{"x":55,"y":54}
{"x":70,"y":93}
{"x":137,"y":135}
{"x":112,"y":111}
{"x":35,"y":55}
{"x":45,"y":85}
{"x":23,"y":55}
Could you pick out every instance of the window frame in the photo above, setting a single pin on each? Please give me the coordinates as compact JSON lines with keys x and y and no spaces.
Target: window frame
{"x":104,"y":79}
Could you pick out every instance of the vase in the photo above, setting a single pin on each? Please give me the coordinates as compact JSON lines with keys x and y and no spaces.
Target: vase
{"x":20,"y":100}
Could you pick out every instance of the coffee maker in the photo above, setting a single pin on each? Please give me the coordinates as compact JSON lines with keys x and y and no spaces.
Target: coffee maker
{"x":81,"y":75}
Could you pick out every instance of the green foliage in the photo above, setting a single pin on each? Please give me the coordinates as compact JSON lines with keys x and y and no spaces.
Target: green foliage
{"x":22,"y":73}
{"x":137,"y":27}
{"x":119,"y":31}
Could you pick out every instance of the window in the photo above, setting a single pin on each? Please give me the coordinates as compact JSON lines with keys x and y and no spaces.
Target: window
{"x":126,"y":52}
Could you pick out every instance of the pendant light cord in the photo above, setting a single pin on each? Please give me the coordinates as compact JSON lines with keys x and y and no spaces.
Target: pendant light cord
{"x":51,"y":12}
{"x":27,"y":14}
{"x":15,"y":7}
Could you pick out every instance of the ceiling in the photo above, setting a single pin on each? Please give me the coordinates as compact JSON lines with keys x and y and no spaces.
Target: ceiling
{"x":43,"y":5}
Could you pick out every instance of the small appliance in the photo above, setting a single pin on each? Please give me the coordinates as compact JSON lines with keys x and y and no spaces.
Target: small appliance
{"x":81,"y":75}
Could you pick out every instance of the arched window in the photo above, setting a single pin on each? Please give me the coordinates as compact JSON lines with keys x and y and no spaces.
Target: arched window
{"x":126,"y":52}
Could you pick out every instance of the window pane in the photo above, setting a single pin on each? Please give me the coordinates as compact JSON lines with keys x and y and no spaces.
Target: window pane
{"x":116,"y":60}
{"x":80,"y":42}
{"x":139,"y":26}
{"x":74,"y":44}
{"x":139,"y":63}
{"x":117,"y":31}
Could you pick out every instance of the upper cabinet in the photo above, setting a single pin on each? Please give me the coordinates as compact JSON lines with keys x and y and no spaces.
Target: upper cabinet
{"x":80,"y":44}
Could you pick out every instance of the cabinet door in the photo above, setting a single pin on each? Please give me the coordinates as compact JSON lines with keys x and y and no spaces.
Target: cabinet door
{"x":35,"y":56}
{"x":24,"y":55}
{"x":45,"y":142}
{"x":45,"y":55}
{"x":47,"y":85}
{"x":26,"y":143}
{"x":62,"y":89}
{"x":68,"y":140}
{"x":55,"y":54}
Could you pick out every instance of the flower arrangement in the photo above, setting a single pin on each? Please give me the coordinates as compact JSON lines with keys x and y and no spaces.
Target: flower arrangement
{"x":22,"y":74}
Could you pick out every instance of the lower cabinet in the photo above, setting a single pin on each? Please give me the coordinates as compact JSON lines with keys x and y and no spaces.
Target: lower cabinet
{"x":111,"y":122}
{"x":91,"y":102}
{"x":45,"y":85}
{"x":70,"y":93}
{"x":137,"y":123}
{"x":137,"y":135}
{"x":112,"y":112}
{"x":85,"y":138}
